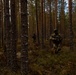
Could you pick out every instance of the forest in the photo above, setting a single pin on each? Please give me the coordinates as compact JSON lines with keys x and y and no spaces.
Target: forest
{"x":27,"y":37}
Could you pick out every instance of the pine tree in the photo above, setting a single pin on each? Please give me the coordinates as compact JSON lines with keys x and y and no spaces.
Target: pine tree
{"x":51,"y":29}
{"x":10,"y":34}
{"x":62,"y":17}
{"x":13,"y":35}
{"x":56,"y":24}
{"x":24,"y":38}
{"x":37,"y":23}
{"x":42,"y":23}
{"x":7,"y":32}
{"x":0,"y":23}
{"x":70,"y":25}
{"x":45,"y":18}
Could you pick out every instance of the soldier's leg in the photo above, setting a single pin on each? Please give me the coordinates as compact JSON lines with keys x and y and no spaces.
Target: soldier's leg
{"x":54,"y":48}
{"x":59,"y":47}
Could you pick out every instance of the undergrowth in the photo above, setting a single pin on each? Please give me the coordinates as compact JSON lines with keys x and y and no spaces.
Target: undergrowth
{"x":44,"y":62}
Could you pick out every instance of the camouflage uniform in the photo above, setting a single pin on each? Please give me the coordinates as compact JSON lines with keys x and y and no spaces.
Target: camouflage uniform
{"x":34,"y":38}
{"x":56,"y":39}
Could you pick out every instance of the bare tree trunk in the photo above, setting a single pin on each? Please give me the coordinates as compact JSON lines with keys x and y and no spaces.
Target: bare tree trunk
{"x":13,"y":35}
{"x":45,"y":19}
{"x":10,"y":34}
{"x":56,"y":24}
{"x":50,"y":18}
{"x":24,"y":38}
{"x":53,"y":18}
{"x":7,"y":32}
{"x":17,"y":18}
{"x":42,"y":22}
{"x":3,"y":27}
{"x":70,"y":25}
{"x":0,"y":23}
{"x":38,"y":39}
{"x":62,"y":17}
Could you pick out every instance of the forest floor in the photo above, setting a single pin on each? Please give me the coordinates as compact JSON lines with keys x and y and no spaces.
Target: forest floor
{"x":44,"y":62}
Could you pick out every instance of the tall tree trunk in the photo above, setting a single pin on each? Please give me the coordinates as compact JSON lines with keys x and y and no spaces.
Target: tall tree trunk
{"x":70,"y":25}
{"x":24,"y":38}
{"x":2,"y":20}
{"x":3,"y":27}
{"x":51,"y":28}
{"x":10,"y":34}
{"x":45,"y":19}
{"x":7,"y":32}
{"x":38,"y":39}
{"x":62,"y":18}
{"x":0,"y":23}
{"x":62,"y":21}
{"x":42,"y":23}
{"x":39,"y":21}
{"x":17,"y":18}
{"x":53,"y":18}
{"x":13,"y":35}
{"x":56,"y":24}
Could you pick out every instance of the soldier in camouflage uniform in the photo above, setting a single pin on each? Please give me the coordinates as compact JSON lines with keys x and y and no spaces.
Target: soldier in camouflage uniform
{"x":57,"y":40}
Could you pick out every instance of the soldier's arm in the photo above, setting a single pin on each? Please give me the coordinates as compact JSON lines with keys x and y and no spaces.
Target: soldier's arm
{"x":60,"y":38}
{"x":52,"y":37}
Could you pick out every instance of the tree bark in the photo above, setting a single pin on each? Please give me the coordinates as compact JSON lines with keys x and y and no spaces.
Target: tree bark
{"x":0,"y":23}
{"x":70,"y":25}
{"x":56,"y":24}
{"x":42,"y":22}
{"x":38,"y":39}
{"x":7,"y":32}
{"x":24,"y":38}
{"x":13,"y":35}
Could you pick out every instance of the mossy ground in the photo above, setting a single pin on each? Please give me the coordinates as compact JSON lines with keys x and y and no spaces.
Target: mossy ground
{"x":44,"y":62}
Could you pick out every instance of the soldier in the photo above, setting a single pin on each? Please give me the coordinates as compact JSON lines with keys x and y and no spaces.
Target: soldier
{"x":34,"y":38}
{"x":57,"y":40}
